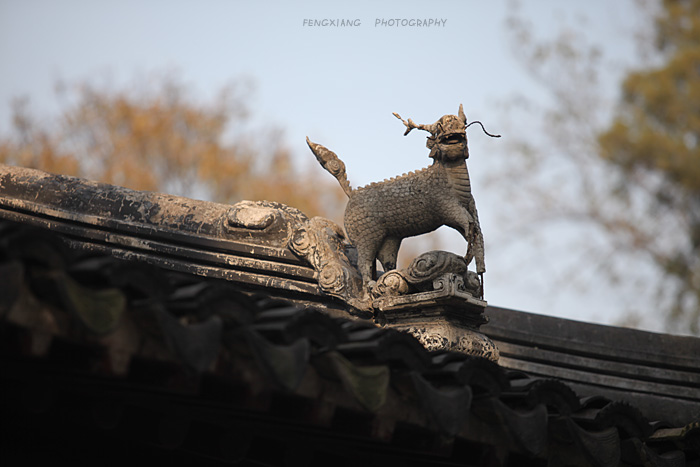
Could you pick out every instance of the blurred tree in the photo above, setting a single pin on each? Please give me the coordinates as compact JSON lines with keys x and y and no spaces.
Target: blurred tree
{"x":654,"y":141}
{"x":633,"y":175}
{"x":160,"y":139}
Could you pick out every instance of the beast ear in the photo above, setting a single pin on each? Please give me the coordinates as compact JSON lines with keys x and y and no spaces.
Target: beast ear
{"x":461,"y":114}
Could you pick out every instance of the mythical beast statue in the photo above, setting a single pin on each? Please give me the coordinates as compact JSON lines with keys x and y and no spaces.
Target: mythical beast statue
{"x":380,"y":215}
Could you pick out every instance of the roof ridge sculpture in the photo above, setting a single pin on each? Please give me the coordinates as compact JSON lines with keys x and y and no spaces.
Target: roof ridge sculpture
{"x":380,"y":215}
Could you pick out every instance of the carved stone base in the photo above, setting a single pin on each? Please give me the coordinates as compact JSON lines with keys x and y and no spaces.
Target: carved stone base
{"x":442,"y":319}
{"x":436,"y":300}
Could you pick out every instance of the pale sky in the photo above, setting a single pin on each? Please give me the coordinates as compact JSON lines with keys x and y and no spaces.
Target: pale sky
{"x":337,"y":84}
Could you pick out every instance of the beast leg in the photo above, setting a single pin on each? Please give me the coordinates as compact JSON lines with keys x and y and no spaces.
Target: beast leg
{"x":469,"y":227}
{"x":476,"y":238}
{"x":389,"y":252}
{"x":366,"y":255}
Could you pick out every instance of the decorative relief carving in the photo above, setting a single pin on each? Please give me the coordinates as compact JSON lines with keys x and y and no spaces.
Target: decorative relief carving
{"x":429,"y":266}
{"x":430,"y":340}
{"x":390,"y":284}
{"x":429,"y":272}
{"x":319,"y":241}
{"x":442,"y":336}
{"x":477,"y":344}
{"x":272,"y":223}
{"x":249,"y":215}
{"x":322,"y":243}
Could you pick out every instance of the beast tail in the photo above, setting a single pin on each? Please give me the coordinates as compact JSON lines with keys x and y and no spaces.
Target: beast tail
{"x":332,"y":164}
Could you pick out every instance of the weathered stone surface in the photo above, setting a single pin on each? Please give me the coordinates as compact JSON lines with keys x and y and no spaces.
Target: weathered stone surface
{"x":444,"y":335}
{"x":197,"y":237}
{"x":263,"y":222}
{"x":321,"y":243}
{"x":421,"y":274}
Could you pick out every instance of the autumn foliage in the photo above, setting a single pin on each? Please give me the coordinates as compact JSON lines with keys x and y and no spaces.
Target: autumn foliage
{"x":654,"y":142}
{"x":629,"y":180}
{"x":161,"y":139}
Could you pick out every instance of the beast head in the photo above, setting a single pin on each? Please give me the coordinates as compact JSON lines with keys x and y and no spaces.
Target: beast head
{"x":448,"y":136}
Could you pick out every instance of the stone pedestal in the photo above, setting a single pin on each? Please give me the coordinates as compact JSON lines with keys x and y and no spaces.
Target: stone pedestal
{"x":445,"y":318}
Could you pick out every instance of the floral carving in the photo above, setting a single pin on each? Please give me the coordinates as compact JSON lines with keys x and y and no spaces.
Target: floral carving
{"x":439,"y":336}
{"x":429,"y":266}
{"x":430,"y":271}
{"x":322,"y":243}
{"x":392,"y":283}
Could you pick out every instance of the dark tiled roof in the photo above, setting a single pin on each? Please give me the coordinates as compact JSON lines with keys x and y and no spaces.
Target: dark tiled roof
{"x":110,"y":358}
{"x":658,"y":373}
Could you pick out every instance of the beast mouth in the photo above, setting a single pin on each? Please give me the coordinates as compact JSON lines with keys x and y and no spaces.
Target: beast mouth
{"x":453,"y":138}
